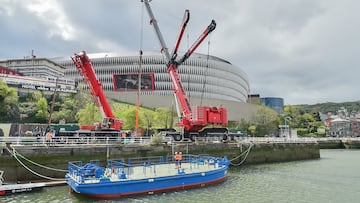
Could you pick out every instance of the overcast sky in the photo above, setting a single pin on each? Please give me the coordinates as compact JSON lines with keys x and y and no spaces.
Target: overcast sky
{"x":305,"y":51}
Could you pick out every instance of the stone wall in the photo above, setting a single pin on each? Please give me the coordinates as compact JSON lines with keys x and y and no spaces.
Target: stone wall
{"x":58,"y":157}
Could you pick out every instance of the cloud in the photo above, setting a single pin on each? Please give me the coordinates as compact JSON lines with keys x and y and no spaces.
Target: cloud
{"x":303,"y":51}
{"x":52,"y":15}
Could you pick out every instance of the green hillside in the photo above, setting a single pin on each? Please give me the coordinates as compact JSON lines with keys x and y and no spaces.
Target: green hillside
{"x":330,"y":107}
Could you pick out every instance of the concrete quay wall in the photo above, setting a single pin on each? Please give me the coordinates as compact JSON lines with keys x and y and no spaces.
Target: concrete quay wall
{"x":58,"y":157}
{"x":339,"y":144}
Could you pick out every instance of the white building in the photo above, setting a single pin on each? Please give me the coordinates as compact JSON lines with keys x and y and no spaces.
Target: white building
{"x":35,"y":67}
{"x":340,"y":127}
{"x":207,"y":80}
{"x":33,"y":74}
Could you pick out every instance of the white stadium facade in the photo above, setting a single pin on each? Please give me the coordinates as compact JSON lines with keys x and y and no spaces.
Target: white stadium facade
{"x":207,"y":80}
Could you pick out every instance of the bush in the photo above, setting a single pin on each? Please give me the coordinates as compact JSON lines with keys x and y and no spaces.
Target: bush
{"x":302,"y":132}
{"x":157,"y":139}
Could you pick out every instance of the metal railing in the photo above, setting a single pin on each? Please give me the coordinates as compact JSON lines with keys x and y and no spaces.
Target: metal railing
{"x":69,"y":141}
{"x":73,"y":141}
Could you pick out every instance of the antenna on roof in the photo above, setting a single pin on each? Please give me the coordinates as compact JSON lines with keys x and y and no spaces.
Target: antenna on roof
{"x":32,"y":54}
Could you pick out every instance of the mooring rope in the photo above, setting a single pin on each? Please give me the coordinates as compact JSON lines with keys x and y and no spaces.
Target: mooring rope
{"x":246,"y":152}
{"x":29,"y":169}
{"x":1,"y":177}
{"x":37,"y":164}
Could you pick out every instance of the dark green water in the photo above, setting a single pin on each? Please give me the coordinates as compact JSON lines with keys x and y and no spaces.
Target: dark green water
{"x":335,"y":177}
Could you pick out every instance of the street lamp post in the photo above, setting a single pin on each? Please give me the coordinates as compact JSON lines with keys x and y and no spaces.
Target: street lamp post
{"x":287,"y":129}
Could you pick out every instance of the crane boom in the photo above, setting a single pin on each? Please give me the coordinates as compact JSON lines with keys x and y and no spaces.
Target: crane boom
{"x":153,"y":21}
{"x":85,"y":68}
{"x":195,"y":119}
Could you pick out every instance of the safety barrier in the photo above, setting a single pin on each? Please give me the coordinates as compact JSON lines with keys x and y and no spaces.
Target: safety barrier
{"x":61,"y":141}
{"x":69,"y":141}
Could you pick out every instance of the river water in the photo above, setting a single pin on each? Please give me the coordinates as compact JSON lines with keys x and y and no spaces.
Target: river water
{"x":335,"y":177}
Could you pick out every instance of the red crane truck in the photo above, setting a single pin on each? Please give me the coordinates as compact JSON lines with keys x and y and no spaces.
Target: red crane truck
{"x":193,"y":120}
{"x":110,"y":124}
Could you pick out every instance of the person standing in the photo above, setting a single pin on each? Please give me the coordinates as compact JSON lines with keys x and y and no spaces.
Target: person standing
{"x":180,"y":159}
{"x":176,"y":156}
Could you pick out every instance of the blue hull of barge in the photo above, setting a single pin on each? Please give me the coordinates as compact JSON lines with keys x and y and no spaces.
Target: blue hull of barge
{"x":183,"y":179}
{"x":108,"y":189}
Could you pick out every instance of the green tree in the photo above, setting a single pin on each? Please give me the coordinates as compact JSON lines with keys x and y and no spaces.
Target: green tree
{"x":265,"y":120}
{"x":294,"y":113}
{"x":27,"y":111}
{"x":243,"y":124}
{"x":36,"y":96}
{"x":164,"y":117}
{"x":305,"y":120}
{"x":148,"y":116}
{"x":252,"y":129}
{"x":28,"y":107}
{"x":88,"y":115}
{"x":82,"y":105}
{"x":42,"y":114}
{"x":129,"y":117}
{"x":67,"y":110}
{"x":264,"y":115}
{"x":9,"y":105}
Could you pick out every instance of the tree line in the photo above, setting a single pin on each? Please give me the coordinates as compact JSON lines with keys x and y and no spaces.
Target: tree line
{"x":80,"y":108}
{"x":77,"y":108}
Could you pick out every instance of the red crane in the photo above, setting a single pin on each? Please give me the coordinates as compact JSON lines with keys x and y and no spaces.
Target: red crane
{"x":85,"y":68}
{"x":193,"y":120}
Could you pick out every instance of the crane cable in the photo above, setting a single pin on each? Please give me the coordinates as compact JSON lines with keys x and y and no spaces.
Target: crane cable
{"x":140,"y":63}
{"x":188,"y":79}
{"x":206,"y":71}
